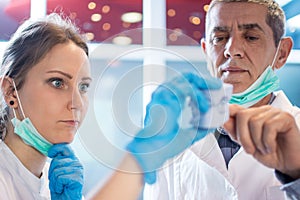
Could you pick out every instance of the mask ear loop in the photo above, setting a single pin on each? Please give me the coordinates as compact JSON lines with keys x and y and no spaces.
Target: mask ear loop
{"x":276,"y":54}
{"x":18,"y":99}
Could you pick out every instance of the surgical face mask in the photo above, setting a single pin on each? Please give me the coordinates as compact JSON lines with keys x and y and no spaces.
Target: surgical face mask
{"x":267,"y":83}
{"x":28,"y":133}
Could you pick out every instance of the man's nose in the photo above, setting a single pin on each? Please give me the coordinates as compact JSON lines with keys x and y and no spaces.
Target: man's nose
{"x":234,"y":48}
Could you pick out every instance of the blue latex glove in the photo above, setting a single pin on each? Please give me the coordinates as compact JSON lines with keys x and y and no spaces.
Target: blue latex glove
{"x":65,"y":173}
{"x":162,"y":138}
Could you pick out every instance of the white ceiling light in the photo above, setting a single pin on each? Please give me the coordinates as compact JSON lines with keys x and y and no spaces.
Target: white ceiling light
{"x":131,"y":17}
{"x":90,"y":36}
{"x":92,"y":5}
{"x":122,"y":40}
{"x":96,"y":17}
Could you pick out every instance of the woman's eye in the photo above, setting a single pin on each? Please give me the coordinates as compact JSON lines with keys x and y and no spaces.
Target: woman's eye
{"x":57,"y":82}
{"x":84,"y":87}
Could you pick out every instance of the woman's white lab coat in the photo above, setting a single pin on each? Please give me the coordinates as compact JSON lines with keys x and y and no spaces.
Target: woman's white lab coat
{"x":17,"y":182}
{"x":187,"y":177}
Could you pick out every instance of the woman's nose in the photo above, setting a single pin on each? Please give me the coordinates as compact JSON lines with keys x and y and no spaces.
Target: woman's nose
{"x":76,"y":100}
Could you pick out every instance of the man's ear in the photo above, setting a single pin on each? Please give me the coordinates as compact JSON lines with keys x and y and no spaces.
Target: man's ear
{"x":8,"y":91}
{"x":284,"y":50}
{"x":203,"y":45}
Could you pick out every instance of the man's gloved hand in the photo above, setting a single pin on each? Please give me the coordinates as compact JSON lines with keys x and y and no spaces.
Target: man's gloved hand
{"x":65,"y":173}
{"x":162,"y":138}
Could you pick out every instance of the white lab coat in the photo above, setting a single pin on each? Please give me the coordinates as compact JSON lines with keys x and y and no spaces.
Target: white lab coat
{"x":16,"y":182}
{"x":187,"y":178}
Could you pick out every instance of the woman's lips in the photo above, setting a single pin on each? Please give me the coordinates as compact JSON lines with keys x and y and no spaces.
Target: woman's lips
{"x":73,"y":123}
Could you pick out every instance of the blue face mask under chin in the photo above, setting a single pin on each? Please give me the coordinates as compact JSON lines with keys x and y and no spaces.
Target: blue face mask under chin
{"x":267,"y":83}
{"x":28,"y":133}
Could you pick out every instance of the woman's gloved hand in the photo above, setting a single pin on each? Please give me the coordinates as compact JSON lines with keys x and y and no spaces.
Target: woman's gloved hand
{"x":162,"y":138}
{"x":65,"y":173}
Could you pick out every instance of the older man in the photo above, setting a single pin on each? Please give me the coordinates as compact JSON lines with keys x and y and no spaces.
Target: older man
{"x":244,"y":44}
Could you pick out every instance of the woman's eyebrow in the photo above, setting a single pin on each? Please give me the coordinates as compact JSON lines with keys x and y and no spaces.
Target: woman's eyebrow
{"x":60,"y":72}
{"x":87,"y":79}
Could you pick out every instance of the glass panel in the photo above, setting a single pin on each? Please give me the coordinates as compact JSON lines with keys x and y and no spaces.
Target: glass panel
{"x":115,"y":113}
{"x":104,"y":21}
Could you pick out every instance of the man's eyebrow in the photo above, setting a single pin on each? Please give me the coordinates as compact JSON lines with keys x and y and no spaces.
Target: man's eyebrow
{"x":241,"y":27}
{"x":250,"y":26}
{"x":60,"y":72}
{"x":221,"y":29}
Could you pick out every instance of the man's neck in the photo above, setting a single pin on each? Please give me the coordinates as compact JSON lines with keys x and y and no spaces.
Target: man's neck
{"x":264,"y":101}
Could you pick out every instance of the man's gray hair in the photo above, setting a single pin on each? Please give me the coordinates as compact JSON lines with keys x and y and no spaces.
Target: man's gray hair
{"x":275,"y":15}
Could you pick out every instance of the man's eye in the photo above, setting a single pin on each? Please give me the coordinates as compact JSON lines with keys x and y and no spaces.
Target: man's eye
{"x":218,"y":40}
{"x":251,"y":38}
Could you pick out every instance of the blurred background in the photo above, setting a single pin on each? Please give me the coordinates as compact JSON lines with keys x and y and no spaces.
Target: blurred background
{"x":135,"y":45}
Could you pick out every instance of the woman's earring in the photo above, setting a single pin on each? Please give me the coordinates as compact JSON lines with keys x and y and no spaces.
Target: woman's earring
{"x":11,"y":102}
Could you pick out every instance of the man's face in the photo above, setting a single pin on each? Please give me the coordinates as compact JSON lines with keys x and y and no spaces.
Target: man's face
{"x":239,"y":43}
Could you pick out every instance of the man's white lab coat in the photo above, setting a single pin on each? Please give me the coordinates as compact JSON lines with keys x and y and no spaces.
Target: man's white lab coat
{"x":188,"y":177}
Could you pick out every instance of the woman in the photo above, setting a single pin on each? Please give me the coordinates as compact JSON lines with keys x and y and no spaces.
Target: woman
{"x":45,"y":77}
{"x":44,"y":82}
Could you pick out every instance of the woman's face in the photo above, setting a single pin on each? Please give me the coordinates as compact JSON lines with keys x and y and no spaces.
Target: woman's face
{"x":54,"y":94}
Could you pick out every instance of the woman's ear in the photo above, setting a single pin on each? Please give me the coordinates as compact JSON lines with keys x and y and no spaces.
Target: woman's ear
{"x":284,"y":50}
{"x":8,"y":91}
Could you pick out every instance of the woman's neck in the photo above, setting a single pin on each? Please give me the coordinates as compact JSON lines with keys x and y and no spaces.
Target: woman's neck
{"x":32,"y":159}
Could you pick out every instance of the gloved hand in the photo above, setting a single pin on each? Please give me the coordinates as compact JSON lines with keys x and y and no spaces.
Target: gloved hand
{"x":162,"y":138}
{"x":65,"y":173}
